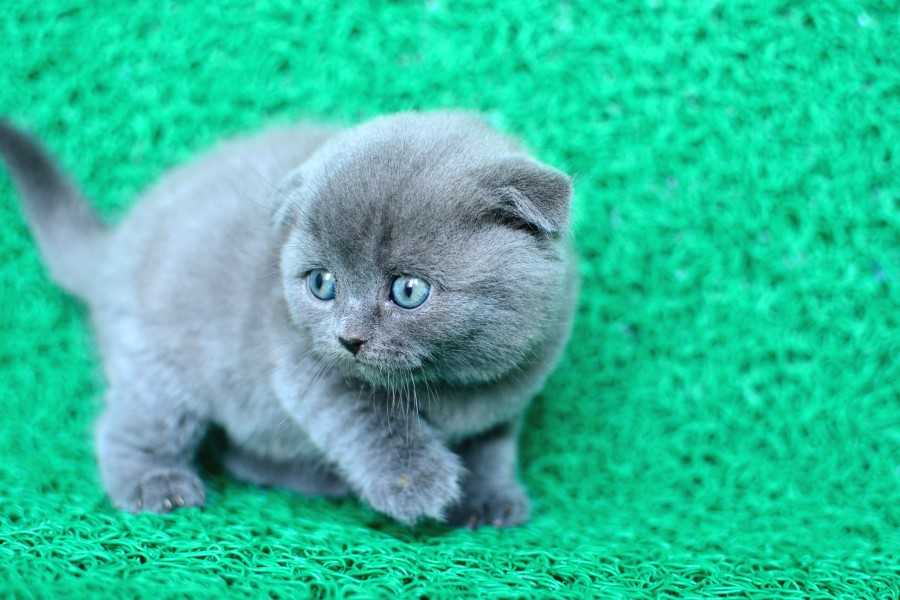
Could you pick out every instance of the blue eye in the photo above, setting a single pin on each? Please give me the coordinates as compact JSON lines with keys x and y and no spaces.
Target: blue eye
{"x":409,"y":292}
{"x":321,"y":284}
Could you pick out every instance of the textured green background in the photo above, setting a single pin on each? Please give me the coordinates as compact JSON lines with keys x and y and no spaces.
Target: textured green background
{"x":726,"y":421}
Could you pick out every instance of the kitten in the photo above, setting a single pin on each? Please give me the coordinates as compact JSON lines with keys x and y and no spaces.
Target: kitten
{"x":365,"y":310}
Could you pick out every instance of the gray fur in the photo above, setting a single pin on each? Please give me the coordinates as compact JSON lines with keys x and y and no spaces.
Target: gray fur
{"x":492,"y":496}
{"x":200,"y":305}
{"x":68,"y":232}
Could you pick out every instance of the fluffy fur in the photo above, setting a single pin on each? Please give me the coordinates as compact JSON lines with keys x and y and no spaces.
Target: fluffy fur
{"x":200,"y":304}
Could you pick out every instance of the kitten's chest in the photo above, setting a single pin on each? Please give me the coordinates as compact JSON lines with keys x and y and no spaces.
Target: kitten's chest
{"x":460,"y":415}
{"x":259,"y":424}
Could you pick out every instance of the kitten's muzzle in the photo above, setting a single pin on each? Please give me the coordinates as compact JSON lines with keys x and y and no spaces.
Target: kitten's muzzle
{"x":352,"y":344}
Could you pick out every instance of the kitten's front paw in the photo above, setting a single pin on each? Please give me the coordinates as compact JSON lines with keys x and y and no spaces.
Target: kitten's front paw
{"x":164,"y":490}
{"x":486,"y":504}
{"x":424,"y":485}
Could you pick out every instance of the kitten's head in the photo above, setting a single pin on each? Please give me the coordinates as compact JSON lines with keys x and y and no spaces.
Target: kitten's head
{"x":424,"y":246}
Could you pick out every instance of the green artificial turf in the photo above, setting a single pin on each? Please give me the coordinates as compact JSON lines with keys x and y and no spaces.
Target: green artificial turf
{"x":726,"y":420}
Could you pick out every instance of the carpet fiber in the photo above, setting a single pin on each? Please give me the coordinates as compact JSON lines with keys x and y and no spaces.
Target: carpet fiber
{"x":726,"y":420}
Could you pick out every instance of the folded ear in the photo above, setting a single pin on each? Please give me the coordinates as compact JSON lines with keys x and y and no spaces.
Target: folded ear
{"x":283,"y":213}
{"x":527,"y":194}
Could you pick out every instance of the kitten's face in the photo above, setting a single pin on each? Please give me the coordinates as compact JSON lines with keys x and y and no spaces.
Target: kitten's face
{"x":396,"y":270}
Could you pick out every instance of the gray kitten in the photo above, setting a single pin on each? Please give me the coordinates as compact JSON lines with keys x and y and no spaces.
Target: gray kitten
{"x":365,"y":310}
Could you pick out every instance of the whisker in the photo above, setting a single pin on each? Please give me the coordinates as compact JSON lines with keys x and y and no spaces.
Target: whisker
{"x":430,"y":394}
{"x":389,"y":405}
{"x":412,"y":384}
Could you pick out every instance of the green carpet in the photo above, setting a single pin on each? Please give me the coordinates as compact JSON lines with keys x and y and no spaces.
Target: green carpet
{"x":726,"y":420}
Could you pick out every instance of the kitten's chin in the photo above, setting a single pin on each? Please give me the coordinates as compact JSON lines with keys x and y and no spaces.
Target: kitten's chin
{"x":386,"y":376}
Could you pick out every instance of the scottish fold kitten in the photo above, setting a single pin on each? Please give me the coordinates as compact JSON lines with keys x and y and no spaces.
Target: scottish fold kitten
{"x":363,"y":310}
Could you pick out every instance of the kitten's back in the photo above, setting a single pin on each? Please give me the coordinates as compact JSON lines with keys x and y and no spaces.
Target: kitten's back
{"x":221,"y":192}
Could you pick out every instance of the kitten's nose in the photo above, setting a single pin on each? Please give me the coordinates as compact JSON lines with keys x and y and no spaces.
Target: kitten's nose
{"x":352,"y":344}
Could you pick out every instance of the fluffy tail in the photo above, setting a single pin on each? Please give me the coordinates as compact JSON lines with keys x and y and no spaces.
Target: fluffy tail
{"x":69,"y":234}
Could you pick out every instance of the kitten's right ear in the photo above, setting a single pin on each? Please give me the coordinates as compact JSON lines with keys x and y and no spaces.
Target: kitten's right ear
{"x":527,"y":194}
{"x":283,"y":207}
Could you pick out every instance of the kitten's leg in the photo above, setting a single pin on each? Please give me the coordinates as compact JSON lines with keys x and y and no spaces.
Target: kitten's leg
{"x":393,"y":461}
{"x":491,"y":493}
{"x":308,"y":477}
{"x":146,"y":451}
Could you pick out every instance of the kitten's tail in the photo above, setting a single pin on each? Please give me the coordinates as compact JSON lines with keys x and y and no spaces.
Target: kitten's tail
{"x":69,"y":233}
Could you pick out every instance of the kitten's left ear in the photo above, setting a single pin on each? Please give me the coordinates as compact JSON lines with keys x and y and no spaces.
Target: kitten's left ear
{"x":528,"y":194}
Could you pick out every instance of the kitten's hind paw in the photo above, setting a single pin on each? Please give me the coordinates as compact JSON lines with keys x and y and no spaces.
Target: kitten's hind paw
{"x":487,"y":506}
{"x":164,"y":490}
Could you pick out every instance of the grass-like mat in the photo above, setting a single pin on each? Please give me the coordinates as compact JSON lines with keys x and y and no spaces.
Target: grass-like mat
{"x":726,"y":421}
